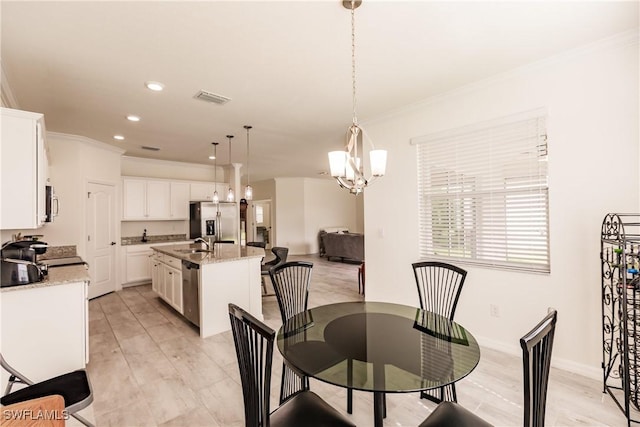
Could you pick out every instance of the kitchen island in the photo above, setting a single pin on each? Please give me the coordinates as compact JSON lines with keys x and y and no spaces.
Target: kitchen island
{"x":199,"y":282}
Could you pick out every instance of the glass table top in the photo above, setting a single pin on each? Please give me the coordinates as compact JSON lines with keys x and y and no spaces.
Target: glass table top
{"x":375,"y":346}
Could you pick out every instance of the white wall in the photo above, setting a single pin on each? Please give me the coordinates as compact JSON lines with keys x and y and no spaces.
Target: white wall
{"x":326,"y":205}
{"x":289,"y":216}
{"x":74,"y":161}
{"x":591,"y":96}
{"x":302,"y":206}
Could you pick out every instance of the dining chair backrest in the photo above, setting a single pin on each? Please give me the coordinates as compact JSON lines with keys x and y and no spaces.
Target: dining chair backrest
{"x":439,"y":286}
{"x":536,"y":361}
{"x":291,"y":283}
{"x":254,"y":350}
{"x":281,"y":254}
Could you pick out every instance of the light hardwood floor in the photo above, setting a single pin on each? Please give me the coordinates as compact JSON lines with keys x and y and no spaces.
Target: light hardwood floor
{"x":149,"y":367}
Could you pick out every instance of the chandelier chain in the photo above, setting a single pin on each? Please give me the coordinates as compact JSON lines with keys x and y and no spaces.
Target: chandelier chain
{"x":353,"y":58}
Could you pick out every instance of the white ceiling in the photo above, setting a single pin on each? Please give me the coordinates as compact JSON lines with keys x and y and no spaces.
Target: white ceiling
{"x":286,"y":65}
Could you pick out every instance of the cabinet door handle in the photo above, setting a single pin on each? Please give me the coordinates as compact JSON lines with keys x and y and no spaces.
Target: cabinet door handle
{"x":113,"y":243}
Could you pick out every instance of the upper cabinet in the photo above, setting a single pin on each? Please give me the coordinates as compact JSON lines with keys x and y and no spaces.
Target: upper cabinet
{"x":180,"y":200}
{"x":203,"y":191}
{"x":154,"y":199}
{"x":24,"y":169}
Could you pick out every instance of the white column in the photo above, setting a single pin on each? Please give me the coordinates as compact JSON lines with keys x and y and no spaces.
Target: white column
{"x":234,"y":182}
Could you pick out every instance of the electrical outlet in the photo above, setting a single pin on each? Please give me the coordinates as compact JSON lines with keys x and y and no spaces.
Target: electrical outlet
{"x":494,"y":311}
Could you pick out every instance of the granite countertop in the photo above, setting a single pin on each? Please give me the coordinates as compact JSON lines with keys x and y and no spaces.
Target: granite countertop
{"x":222,"y":252}
{"x":57,"y":276}
{"x":137,"y":240}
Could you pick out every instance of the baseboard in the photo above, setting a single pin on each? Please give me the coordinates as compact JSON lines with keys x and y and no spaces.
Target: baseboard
{"x":591,"y":372}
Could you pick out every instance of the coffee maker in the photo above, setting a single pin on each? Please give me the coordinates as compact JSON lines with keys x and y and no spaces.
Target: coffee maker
{"x":19,"y":265}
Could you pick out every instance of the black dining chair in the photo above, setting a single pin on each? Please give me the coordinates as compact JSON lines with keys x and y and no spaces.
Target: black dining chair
{"x":536,"y":363}
{"x":439,"y":286}
{"x":254,"y":350}
{"x":74,"y":387}
{"x":280,"y":254}
{"x":291,"y":282}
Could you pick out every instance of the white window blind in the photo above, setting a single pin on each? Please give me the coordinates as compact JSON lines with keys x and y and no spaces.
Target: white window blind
{"x":483,"y":194}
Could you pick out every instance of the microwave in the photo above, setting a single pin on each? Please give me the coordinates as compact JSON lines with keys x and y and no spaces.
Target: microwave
{"x":51,"y":204}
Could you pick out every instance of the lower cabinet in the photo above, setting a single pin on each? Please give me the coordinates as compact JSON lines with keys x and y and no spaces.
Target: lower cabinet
{"x":166,"y":280}
{"x":45,"y":330}
{"x":137,"y":263}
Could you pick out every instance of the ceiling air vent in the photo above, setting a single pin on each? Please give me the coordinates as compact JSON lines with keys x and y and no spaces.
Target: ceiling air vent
{"x":211,"y":97}
{"x":146,"y":147}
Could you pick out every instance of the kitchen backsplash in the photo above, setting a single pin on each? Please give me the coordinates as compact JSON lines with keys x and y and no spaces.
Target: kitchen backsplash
{"x":137,"y":240}
{"x":58,"y":252}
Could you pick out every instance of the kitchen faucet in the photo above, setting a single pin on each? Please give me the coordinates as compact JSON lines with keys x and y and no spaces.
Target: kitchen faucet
{"x":200,"y":239}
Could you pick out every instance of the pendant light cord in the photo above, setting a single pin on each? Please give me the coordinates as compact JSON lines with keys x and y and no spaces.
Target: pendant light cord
{"x":353,"y":58}
{"x":247,"y":127}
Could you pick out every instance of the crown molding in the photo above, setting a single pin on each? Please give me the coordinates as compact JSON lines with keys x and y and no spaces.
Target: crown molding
{"x":8,"y":99}
{"x":169,"y":162}
{"x":84,"y":140}
{"x":616,"y":41}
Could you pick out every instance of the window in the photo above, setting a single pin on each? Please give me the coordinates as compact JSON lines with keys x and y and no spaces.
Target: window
{"x":259,"y":215}
{"x":483,"y":194}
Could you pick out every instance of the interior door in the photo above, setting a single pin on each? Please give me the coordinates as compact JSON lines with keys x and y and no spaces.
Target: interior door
{"x":101,"y":239}
{"x":261,"y":222}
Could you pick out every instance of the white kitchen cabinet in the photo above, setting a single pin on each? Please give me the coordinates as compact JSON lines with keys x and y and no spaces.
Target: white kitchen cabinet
{"x":155,"y":271}
{"x":180,"y":193}
{"x":158,"y":200}
{"x":203,"y":191}
{"x":23,"y":170}
{"x":138,"y":263}
{"x":154,"y":199}
{"x":167,"y":283}
{"x":145,"y":199}
{"x":134,"y":199}
{"x":45,"y":329}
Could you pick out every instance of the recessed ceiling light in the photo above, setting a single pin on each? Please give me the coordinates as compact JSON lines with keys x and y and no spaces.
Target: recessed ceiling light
{"x":118,"y":137}
{"x":133,"y":118}
{"x":155,"y":86}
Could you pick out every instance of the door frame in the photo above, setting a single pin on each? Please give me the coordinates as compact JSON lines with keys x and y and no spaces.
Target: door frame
{"x":116,"y":224}
{"x":251,"y":215}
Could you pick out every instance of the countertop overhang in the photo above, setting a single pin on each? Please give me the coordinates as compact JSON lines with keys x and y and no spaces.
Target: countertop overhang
{"x":221,"y":252}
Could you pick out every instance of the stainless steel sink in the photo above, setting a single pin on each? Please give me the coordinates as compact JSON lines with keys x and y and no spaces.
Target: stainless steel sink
{"x":192,"y":251}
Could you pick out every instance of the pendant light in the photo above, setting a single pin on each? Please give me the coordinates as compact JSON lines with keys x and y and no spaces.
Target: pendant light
{"x":215,"y":199}
{"x":248,"y":190}
{"x":230,"y":196}
{"x":347,"y":166}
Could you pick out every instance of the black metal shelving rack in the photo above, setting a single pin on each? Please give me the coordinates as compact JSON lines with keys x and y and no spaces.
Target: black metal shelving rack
{"x":620,"y":256}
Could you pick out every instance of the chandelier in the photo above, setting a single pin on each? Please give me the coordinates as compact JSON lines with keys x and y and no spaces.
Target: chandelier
{"x":347,"y":166}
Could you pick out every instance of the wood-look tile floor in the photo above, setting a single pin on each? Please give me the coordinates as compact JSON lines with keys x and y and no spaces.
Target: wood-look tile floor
{"x":149,"y":367}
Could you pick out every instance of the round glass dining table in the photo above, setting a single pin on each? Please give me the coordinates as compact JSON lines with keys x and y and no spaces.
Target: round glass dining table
{"x":378,"y":347}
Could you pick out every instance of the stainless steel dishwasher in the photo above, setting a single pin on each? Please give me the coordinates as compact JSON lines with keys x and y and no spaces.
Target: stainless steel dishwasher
{"x":191,"y":305}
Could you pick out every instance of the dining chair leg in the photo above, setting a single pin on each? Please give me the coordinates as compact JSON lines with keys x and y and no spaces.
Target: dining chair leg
{"x":384,"y":405}
{"x":349,"y":384}
{"x":378,"y":408}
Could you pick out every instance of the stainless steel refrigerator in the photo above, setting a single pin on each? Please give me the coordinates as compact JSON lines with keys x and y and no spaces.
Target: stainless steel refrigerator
{"x":218,"y":222}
